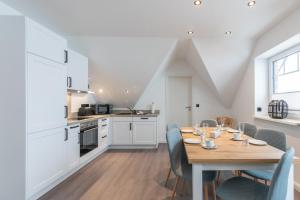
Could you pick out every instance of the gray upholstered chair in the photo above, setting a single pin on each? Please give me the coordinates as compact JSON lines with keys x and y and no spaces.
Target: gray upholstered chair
{"x":238,"y":188}
{"x":179,"y":163}
{"x":274,"y":138}
{"x":170,"y":126}
{"x":249,"y":129}
{"x":210,"y":122}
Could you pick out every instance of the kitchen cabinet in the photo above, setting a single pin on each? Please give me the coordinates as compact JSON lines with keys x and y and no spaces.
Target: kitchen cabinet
{"x":46,"y":158}
{"x":77,"y":71}
{"x":45,"y":43}
{"x":73,"y":146}
{"x":136,"y":131}
{"x":46,"y":94}
{"x":104,"y":133}
{"x":122,"y":131}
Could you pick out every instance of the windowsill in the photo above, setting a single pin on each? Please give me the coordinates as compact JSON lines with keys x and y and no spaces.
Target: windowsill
{"x":291,"y":122}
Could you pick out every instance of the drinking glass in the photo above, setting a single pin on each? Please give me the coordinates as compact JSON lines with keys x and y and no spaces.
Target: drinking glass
{"x":241,"y":129}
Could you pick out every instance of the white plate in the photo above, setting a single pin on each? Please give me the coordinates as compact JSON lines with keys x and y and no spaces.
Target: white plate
{"x":257,"y":142}
{"x":187,"y":130}
{"x":207,"y":147}
{"x":192,"y":141}
{"x":241,"y":139}
{"x":230,"y":130}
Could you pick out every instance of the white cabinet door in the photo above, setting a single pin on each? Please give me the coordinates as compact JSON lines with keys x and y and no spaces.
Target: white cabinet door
{"x":46,"y":94}
{"x":144,"y":133}
{"x":46,"y":158}
{"x":77,"y":71}
{"x":43,"y":42}
{"x":73,"y":146}
{"x":122,"y":133}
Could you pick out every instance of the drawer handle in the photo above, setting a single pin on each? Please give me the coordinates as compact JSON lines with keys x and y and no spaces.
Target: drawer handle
{"x":144,"y":118}
{"x":74,"y":127}
{"x":104,"y":125}
{"x":104,"y":120}
{"x":104,"y":136}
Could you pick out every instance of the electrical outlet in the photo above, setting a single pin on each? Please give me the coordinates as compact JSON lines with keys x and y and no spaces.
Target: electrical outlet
{"x":259,"y":109}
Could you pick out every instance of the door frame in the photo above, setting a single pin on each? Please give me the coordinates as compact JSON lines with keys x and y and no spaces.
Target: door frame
{"x":167,"y":95}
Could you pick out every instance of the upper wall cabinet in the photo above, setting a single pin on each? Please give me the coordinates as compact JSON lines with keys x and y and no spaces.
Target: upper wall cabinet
{"x":45,"y":43}
{"x":77,"y":71}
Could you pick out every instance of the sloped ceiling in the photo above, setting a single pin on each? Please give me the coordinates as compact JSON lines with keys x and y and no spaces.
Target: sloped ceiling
{"x":129,"y":41}
{"x":122,"y":64}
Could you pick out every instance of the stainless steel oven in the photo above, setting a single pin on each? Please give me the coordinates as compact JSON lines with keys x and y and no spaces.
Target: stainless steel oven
{"x":88,"y":136}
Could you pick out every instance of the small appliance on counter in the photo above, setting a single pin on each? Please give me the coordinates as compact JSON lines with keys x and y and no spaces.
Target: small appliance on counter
{"x":102,"y":109}
{"x":86,"y":110}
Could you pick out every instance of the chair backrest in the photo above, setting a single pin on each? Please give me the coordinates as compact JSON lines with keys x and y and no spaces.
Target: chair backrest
{"x":279,"y":184}
{"x":170,"y":126}
{"x":228,"y":121}
{"x":274,"y":138}
{"x":210,"y":122}
{"x":176,"y":150}
{"x":249,"y":129}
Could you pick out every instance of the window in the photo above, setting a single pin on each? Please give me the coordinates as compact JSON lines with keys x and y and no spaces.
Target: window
{"x":286,"y":72}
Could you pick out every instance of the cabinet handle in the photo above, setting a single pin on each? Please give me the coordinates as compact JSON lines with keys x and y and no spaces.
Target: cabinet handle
{"x":104,"y":125}
{"x":78,"y":138}
{"x":130,"y":126}
{"x":70,"y":82}
{"x":104,"y":136}
{"x":66,"y":112}
{"x":66,"y":134}
{"x":66,"y":56}
{"x":104,"y":120}
{"x":144,"y":118}
{"x":74,"y":127}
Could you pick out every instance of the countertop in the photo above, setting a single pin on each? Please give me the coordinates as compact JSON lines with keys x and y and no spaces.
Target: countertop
{"x":91,"y":118}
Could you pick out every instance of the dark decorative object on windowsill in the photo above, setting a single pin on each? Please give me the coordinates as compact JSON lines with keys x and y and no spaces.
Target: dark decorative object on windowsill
{"x":278,"y":109}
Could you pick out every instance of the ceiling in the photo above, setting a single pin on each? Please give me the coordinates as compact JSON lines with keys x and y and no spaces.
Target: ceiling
{"x":128,"y":42}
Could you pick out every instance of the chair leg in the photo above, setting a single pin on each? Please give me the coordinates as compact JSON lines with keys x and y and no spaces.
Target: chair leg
{"x":214,"y":191}
{"x":168,"y":176}
{"x":206,"y":192}
{"x":175,"y":187}
{"x":218,"y":177}
{"x":266,"y":182}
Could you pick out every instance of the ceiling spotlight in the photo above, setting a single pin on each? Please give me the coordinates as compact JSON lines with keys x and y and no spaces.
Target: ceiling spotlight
{"x":190,"y":32}
{"x":100,"y":90}
{"x":251,"y":3}
{"x":228,"y":33}
{"x":126,"y":91}
{"x":197,"y":3}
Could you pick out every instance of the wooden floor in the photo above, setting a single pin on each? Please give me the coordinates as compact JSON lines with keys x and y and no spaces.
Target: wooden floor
{"x":123,"y":175}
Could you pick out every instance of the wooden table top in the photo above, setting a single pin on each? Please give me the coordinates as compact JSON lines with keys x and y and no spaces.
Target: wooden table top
{"x":229,"y":151}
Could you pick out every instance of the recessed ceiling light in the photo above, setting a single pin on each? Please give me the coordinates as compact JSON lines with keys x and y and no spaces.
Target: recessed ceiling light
{"x":197,"y":3}
{"x":126,"y":91}
{"x":251,"y":3}
{"x":228,"y":33}
{"x":100,"y":90}
{"x":190,"y":32}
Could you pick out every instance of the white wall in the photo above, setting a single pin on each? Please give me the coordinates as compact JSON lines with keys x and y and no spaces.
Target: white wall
{"x":77,"y":99}
{"x":210,"y":107}
{"x":244,"y":104}
{"x":6,"y":10}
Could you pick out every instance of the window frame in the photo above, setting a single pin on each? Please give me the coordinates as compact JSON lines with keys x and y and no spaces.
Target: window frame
{"x":279,"y":56}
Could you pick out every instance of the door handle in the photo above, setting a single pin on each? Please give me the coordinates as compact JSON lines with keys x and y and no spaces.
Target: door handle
{"x":66,"y":56}
{"x":189,"y":108}
{"x":66,"y":134}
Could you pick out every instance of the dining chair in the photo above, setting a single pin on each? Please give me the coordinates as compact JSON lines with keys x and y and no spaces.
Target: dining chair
{"x":249,"y":129}
{"x":239,"y":187}
{"x":228,"y":121}
{"x":210,"y":122}
{"x":274,"y":138}
{"x":180,"y":166}
{"x":170,"y":126}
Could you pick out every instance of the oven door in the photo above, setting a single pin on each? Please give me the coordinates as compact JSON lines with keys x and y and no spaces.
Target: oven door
{"x":88,"y":140}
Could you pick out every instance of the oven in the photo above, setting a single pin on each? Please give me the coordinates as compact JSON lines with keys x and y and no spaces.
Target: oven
{"x":88,"y":136}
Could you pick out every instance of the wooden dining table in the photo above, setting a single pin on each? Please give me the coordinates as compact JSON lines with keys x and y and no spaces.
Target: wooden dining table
{"x":231,"y":155}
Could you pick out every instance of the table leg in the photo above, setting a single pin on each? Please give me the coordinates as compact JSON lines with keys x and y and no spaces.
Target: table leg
{"x":290,"y":189}
{"x":197,"y":182}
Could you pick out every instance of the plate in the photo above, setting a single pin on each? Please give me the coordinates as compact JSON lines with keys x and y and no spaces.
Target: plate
{"x":187,"y":130}
{"x":206,"y":147}
{"x":232,"y":130}
{"x":241,"y":139}
{"x":192,"y":141}
{"x":258,"y":142}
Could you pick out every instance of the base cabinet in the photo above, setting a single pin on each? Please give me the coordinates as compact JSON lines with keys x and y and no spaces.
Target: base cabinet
{"x":46,"y":158}
{"x":73,"y":147}
{"x":122,"y":133}
{"x":144,"y":133}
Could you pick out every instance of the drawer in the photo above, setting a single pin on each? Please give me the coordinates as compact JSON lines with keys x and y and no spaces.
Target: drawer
{"x":144,"y":119}
{"x":122,"y":119}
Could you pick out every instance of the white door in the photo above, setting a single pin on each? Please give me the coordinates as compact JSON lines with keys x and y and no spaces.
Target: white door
{"x":47,"y":88}
{"x":77,"y":71}
{"x":122,"y":133}
{"x":179,"y":100}
{"x":144,"y":133}
{"x":46,"y":158}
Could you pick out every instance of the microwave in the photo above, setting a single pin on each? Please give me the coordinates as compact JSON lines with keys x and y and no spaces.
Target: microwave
{"x":101,"y":109}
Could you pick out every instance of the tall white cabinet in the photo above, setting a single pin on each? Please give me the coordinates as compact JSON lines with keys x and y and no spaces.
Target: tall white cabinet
{"x":33,"y":80}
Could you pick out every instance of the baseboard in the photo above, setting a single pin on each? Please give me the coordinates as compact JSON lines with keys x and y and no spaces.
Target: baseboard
{"x":133,"y":147}
{"x":297,"y":186}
